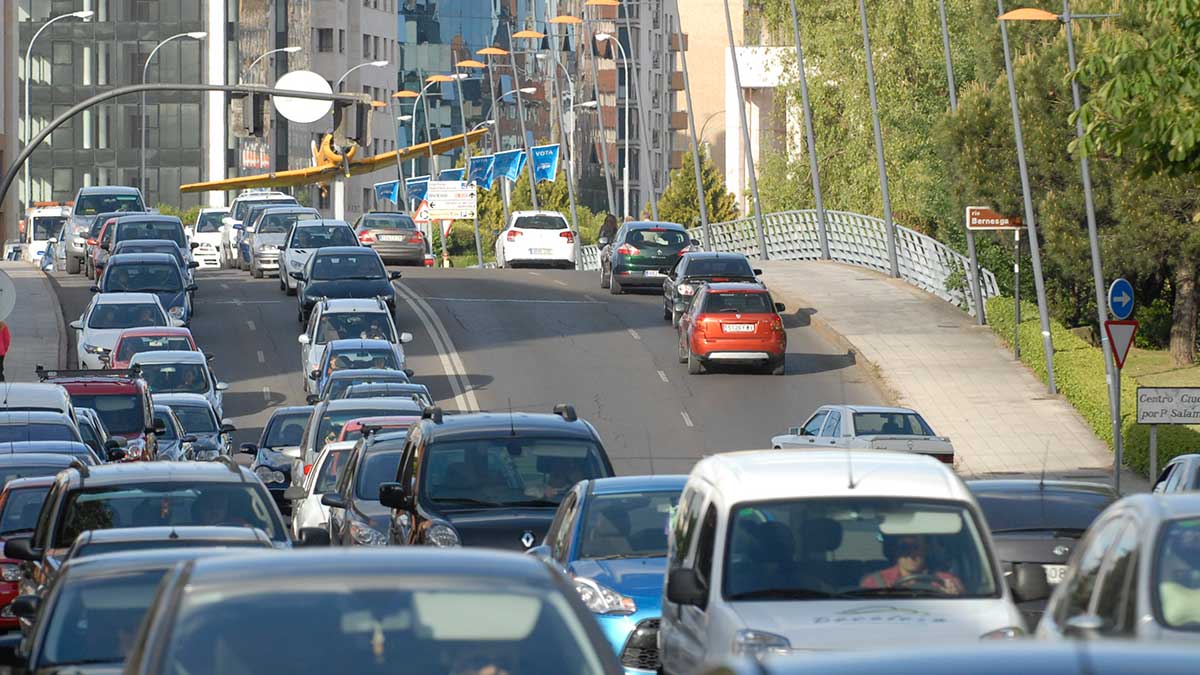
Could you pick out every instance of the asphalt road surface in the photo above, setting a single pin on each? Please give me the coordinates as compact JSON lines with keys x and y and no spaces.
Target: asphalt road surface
{"x":526,"y":340}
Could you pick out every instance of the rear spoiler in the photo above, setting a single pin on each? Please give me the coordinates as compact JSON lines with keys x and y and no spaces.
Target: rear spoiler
{"x":43,"y":374}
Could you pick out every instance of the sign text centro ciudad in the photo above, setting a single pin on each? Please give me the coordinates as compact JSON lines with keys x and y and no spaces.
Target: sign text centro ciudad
{"x":1168,"y":405}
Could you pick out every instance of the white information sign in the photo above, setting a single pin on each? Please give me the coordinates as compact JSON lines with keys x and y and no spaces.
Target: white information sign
{"x":451,"y":200}
{"x":1168,"y":405}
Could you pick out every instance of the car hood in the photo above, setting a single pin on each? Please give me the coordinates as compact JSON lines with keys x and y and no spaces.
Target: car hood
{"x":170,"y":451}
{"x":818,"y":625}
{"x":501,"y":527}
{"x":275,"y":460}
{"x":349,"y":288}
{"x":171,"y":299}
{"x":101,"y":337}
{"x":270,"y":239}
{"x":640,"y":577}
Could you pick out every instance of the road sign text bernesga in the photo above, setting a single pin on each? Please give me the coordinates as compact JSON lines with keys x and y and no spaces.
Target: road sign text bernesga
{"x":1168,"y":405}
{"x":984,"y":218}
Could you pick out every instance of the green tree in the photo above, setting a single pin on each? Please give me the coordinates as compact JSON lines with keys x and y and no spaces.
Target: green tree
{"x":188,"y":216}
{"x":679,"y":203}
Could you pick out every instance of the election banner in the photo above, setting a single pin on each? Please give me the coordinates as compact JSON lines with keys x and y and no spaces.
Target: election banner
{"x":482,"y":171}
{"x":545,"y":162}
{"x":388,"y":190}
{"x":510,"y":163}
{"x":417,"y":187}
{"x":451,"y":174}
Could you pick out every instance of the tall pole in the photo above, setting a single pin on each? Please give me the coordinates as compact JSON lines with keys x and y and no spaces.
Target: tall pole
{"x":396,"y":141}
{"x":810,"y":140}
{"x":645,"y":171}
{"x":608,"y":186}
{"x":1110,"y":371}
{"x":890,"y":226}
{"x":747,"y":151}
{"x":458,"y":78}
{"x":512,"y":57}
{"x":496,"y":138}
{"x":1035,"y":256}
{"x":946,"y":54}
{"x":628,"y":102}
{"x":428,"y":134}
{"x":701,"y":197}
{"x":562,"y":134}
{"x":142,"y":108}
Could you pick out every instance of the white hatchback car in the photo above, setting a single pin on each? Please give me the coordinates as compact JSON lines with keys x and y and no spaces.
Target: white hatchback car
{"x":540,"y":238}
{"x":307,"y":509}
{"x":342,"y":318}
{"x":181,"y":372}
{"x":787,"y":552}
{"x":107,"y":315}
{"x":207,"y":234}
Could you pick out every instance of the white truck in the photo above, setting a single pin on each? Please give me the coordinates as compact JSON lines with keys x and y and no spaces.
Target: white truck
{"x":858,"y":427}
{"x":44,"y":221}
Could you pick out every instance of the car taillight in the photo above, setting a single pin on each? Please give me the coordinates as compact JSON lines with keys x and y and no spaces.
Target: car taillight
{"x":366,"y":237}
{"x":685,"y":249}
{"x":416,"y":238}
{"x":568,"y":235}
{"x":628,"y":249}
{"x":307,"y":468}
{"x":513,"y":234}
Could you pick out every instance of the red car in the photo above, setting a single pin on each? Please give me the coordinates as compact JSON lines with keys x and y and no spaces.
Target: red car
{"x":20,"y":503}
{"x":150,"y":339}
{"x":353,"y":430}
{"x":121,"y":398}
{"x":732,"y":323}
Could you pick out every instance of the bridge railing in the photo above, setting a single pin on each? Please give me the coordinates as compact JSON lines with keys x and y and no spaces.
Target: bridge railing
{"x":854,"y":239}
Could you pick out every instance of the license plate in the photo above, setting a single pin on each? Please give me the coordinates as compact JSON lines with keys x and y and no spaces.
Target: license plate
{"x":1055,"y":573}
{"x":738,"y":327}
{"x":652,"y":273}
{"x":539,"y":251}
{"x":391,"y":237}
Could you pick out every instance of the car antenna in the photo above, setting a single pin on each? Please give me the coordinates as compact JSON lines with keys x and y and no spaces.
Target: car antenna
{"x":1045,"y":458}
{"x":850,"y":469}
{"x":512,"y":427}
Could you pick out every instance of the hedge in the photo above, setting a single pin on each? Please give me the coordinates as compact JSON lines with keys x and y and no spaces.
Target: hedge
{"x":1079,"y":373}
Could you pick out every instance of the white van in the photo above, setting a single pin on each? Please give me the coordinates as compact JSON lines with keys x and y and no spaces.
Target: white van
{"x":44,"y":221}
{"x":776,"y":552}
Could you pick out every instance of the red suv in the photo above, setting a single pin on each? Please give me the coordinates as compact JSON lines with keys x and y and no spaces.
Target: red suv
{"x":732,"y":323}
{"x":122,"y":400}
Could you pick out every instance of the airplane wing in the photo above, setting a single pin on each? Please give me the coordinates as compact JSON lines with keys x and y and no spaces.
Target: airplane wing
{"x":328,"y":171}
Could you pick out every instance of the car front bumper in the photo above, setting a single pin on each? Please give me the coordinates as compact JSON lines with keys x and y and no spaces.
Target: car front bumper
{"x":634,"y":639}
{"x":266,"y":262}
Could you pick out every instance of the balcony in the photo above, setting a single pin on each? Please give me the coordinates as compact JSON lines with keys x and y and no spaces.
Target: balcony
{"x":679,"y":120}
{"x":676,"y":83}
{"x":674,"y":43}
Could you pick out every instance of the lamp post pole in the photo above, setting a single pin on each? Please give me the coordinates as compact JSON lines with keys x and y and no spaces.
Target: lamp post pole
{"x":396,"y":142}
{"x":890,"y":226}
{"x":747,"y":151}
{"x":563,"y":133}
{"x":701,"y":197}
{"x":608,"y":184}
{"x":624,"y":169}
{"x":810,"y":140}
{"x":197,"y":35}
{"x":496,"y":137}
{"x":249,"y":68}
{"x":458,"y":78}
{"x":512,"y":57}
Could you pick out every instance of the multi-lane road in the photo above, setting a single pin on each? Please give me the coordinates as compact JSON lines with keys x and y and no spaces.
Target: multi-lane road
{"x":528,"y":339}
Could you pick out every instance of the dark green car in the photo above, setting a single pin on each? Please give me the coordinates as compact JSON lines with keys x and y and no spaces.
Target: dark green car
{"x":640,"y":252}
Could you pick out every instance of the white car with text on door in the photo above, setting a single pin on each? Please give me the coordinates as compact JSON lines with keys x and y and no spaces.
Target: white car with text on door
{"x":537,"y":238}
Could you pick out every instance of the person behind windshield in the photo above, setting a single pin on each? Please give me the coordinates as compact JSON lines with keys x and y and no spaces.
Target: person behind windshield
{"x":562,"y":476}
{"x":374,"y":330}
{"x":911,"y":553}
{"x":120,"y":279}
{"x":189,"y":380}
{"x":146,"y":316}
{"x":213,"y":508}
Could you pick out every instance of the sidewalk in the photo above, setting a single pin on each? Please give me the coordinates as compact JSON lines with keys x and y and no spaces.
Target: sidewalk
{"x":935,"y":360}
{"x":38,"y":333}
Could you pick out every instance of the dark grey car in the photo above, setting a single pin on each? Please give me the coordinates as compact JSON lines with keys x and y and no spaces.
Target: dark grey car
{"x":393,"y":235}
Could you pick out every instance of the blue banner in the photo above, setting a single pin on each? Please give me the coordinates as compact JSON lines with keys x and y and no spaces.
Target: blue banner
{"x":545,"y":162}
{"x":388,"y":190}
{"x":451,"y":174}
{"x":482,"y":171}
{"x":417,"y":188}
{"x":510,"y":163}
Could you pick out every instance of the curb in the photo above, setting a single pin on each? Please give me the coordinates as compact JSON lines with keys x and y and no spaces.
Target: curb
{"x":63,"y":342}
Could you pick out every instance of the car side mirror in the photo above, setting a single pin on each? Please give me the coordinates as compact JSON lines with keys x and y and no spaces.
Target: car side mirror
{"x":94,"y":289}
{"x":222,"y":386}
{"x":52,"y":240}
{"x":298,"y":276}
{"x":408,"y":372}
{"x":193,"y":265}
{"x":303,"y":339}
{"x":25,"y":606}
{"x":77,"y":325}
{"x":680,"y":307}
{"x":248,"y":449}
{"x":394,"y":275}
{"x":1028,"y":583}
{"x":178,"y":323}
{"x":393,"y":496}
{"x":116,"y":454}
{"x":779,"y":307}
{"x":314,"y":536}
{"x":227,"y":221}
{"x":1086,"y":626}
{"x":193,"y":287}
{"x":314,"y":374}
{"x":227,"y":428}
{"x":294,"y":493}
{"x":695,"y":242}
{"x":406,"y":338}
{"x":334,"y":500}
{"x":757,"y":272}
{"x":684,"y":587}
{"x":312,"y":399}
{"x":20,"y":548}
{"x":194,"y":245}
{"x":793,"y":431}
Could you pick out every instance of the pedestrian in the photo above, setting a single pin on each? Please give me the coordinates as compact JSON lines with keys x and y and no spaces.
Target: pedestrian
{"x":5,"y":341}
{"x":609,"y":229}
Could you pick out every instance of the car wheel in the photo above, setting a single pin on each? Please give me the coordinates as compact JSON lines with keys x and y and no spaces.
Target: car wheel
{"x":289,"y":289}
{"x":90,"y":271}
{"x":614,"y":286}
{"x":603,"y":279}
{"x":778,"y":367}
{"x":72,"y":265}
{"x":694,"y":365}
{"x":683,"y":352}
{"x":674,"y":319}
{"x":666,"y":310}
{"x":282,"y":283}
{"x":256,"y":272}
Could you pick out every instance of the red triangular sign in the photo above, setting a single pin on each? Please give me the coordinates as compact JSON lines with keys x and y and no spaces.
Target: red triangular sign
{"x":1120,"y":338}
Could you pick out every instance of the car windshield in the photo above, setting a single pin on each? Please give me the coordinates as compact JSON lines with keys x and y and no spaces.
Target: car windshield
{"x":183,"y":378}
{"x":330,"y":426}
{"x":152,"y":343}
{"x":377,"y":468}
{"x":21,"y":508}
{"x":540,"y":222}
{"x":281,"y":223}
{"x":339,"y":386}
{"x":327,"y":478}
{"x":388,"y":221}
{"x":657,"y":238}
{"x":347,"y":266}
{"x":121,"y":413}
{"x":210,"y":221}
{"x":852,"y":548}
{"x":110,"y":315}
{"x":286,"y":430}
{"x":142,"y":278}
{"x":320,"y":236}
{"x":151,"y":246}
{"x":719,"y":267}
{"x":45,"y":227}
{"x":95,"y":619}
{"x":465,"y":628}
{"x":8,"y":473}
{"x":890,"y":423}
{"x":737,"y":303}
{"x":1046,"y":509}
{"x":508,"y":471}
{"x":90,"y":205}
{"x":359,"y":359}
{"x":101,"y":548}
{"x":354,"y":325}
{"x":128,"y":230}
{"x":239,"y":211}
{"x":169,"y":433}
{"x":165,"y":504}
{"x":1177,"y":574}
{"x":16,"y":433}
{"x":196,"y":419}
{"x":632,"y":525}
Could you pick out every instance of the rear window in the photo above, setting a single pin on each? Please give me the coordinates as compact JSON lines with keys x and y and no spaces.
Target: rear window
{"x":890,"y":423}
{"x":1037,"y":510}
{"x":540,"y":223}
{"x":128,"y":230}
{"x":331,"y":424}
{"x":17,"y":433}
{"x":239,"y":211}
{"x":657,"y":238}
{"x":90,"y":205}
{"x":737,"y":303}
{"x":210,"y":221}
{"x":126,"y":315}
{"x":391,"y":221}
{"x":719,"y":268}
{"x":134,"y":345}
{"x":196,"y":419}
{"x":21,"y":508}
{"x":377,"y":469}
{"x":338,"y":386}
{"x":121,"y":413}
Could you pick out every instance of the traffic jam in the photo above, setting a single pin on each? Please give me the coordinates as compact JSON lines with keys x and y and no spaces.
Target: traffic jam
{"x":371,"y":530}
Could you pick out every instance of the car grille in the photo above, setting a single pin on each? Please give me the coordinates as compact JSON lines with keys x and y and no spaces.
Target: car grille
{"x":641,"y":649}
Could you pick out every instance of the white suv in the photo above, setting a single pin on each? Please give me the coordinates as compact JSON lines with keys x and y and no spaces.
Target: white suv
{"x":537,"y":238}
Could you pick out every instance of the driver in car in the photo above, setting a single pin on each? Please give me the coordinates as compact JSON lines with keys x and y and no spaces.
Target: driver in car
{"x":910,"y":570}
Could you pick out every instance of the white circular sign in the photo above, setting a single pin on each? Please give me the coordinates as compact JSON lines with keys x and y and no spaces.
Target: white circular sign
{"x":302,"y":110}
{"x":8,"y":295}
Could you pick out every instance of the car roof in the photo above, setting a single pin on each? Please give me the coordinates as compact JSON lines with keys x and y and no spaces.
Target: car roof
{"x":182,"y":399}
{"x":147,"y":243}
{"x":140,"y":258}
{"x":401,"y":404}
{"x":37,"y":459}
{"x":347,"y":305}
{"x":28,"y":394}
{"x":169,"y":356}
{"x":29,"y":482}
{"x":101,"y":386}
{"x":132,"y":561}
{"x":359,"y":343}
{"x":343,"y":250}
{"x":737,"y":287}
{"x":627,"y":484}
{"x":715,"y":255}
{"x":873,"y":408}
{"x":111,"y":189}
{"x":383,"y":420}
{"x":340,"y":445}
{"x":643,"y":224}
{"x":413,"y":387}
{"x":369,"y":372}
{"x":292,"y":410}
{"x":155,"y":331}
{"x":516,"y":424}
{"x":1164,"y":507}
{"x":320,"y":222}
{"x":163,"y":472}
{"x":1033,"y":485}
{"x":146,"y":216}
{"x":32,"y":417}
{"x":65,"y":448}
{"x":166,"y":533}
{"x":214,"y":209}
{"x":125,"y":298}
{"x":763,"y":475}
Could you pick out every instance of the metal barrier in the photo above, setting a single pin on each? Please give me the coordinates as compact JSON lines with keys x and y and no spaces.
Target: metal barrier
{"x":855,"y":239}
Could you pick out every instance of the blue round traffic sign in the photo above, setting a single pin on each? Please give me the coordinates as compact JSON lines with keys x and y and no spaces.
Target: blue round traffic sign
{"x":1120,"y":299}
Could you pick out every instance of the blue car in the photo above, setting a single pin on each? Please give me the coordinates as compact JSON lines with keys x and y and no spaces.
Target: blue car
{"x":156,"y":273}
{"x":610,"y":537}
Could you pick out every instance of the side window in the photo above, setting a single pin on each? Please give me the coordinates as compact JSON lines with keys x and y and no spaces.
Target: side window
{"x":680,"y":268}
{"x":1077,"y":598}
{"x":565,"y":522}
{"x":686,"y":517}
{"x":698,"y":302}
{"x":42,"y":529}
{"x":1175,"y":479}
{"x":1116,"y":596}
{"x":346,"y":475}
{"x":813,"y":426}
{"x":706,"y":545}
{"x":833,"y":424}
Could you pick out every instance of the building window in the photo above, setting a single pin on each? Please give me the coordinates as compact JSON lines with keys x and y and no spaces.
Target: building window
{"x":143,"y":10}
{"x":324,"y":39}
{"x":366,"y":50}
{"x":341,"y":41}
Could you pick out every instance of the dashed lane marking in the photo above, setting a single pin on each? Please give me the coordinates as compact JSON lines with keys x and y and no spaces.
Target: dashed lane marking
{"x":686,"y":420}
{"x":662,"y":376}
{"x":261,"y":357}
{"x":266,"y":393}
{"x":517,"y":300}
{"x":560,"y":282}
{"x":634,"y":334}
{"x":250,"y":325}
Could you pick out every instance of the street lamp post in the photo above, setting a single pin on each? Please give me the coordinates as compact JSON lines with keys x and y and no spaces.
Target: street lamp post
{"x":195,"y":35}
{"x":489,"y":52}
{"x":564,"y":134}
{"x":285,"y":50}
{"x":601,"y":37}
{"x":608,"y":184}
{"x":458,"y":78}
{"x":84,"y":15}
{"x":701,"y":198}
{"x":747,"y":151}
{"x":339,"y":189}
{"x":396,"y":141}
{"x":643,"y":127}
{"x":890,"y":226}
{"x":810,"y":139}
{"x":512,"y":57}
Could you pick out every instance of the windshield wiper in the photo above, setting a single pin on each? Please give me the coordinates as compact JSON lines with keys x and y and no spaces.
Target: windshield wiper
{"x":626,"y":556}
{"x":465,"y":501}
{"x":532,"y":502}
{"x":1076,"y":531}
{"x":786,"y":594}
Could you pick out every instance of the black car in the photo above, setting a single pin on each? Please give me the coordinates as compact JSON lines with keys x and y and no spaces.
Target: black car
{"x":73,"y":449}
{"x":356,"y":518}
{"x":277,"y":447}
{"x":343,"y":272}
{"x":698,"y":267}
{"x":489,"y":479}
{"x":639,"y":252}
{"x":1038,"y":523}
{"x":339,"y":381}
{"x":370,"y":612}
{"x":156,"y":273}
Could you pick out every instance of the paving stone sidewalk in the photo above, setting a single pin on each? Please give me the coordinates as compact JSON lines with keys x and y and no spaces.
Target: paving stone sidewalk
{"x":35,"y":324}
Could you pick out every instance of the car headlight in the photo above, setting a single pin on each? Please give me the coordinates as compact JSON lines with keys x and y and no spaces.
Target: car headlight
{"x":757,"y":643}
{"x":266,"y":248}
{"x":10,"y":572}
{"x":1007,"y":633}
{"x":134,"y":448}
{"x":296,"y":265}
{"x":269,"y":475}
{"x":80,"y":241}
{"x":442,"y":535}
{"x":365,"y":535}
{"x":601,"y":599}
{"x":176,"y":312}
{"x":205,"y":454}
{"x":686,"y":289}
{"x":95,"y":349}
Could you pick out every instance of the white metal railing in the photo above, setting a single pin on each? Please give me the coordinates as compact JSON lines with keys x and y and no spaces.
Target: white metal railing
{"x":854,"y":239}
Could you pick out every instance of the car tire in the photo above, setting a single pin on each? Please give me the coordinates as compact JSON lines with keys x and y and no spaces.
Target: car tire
{"x":603,"y":279}
{"x":778,"y":367}
{"x":666,"y":310}
{"x":674,"y":319}
{"x":90,"y":271}
{"x":614,"y":286}
{"x":683,"y":352}
{"x":695,"y":367}
{"x":256,"y":272}
{"x":282,"y":283}
{"x":72,"y":264}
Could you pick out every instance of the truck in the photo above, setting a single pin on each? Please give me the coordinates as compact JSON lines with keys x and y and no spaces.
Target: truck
{"x":44,"y":221}
{"x":856,"y":427}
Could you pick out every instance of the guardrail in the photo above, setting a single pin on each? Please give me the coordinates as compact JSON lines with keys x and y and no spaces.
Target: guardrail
{"x":855,"y":239}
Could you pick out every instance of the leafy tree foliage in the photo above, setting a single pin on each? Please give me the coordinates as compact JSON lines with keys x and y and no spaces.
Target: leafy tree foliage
{"x":679,"y":203}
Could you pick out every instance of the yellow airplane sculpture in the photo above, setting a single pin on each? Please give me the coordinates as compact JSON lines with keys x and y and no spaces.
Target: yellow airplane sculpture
{"x":330,"y":162}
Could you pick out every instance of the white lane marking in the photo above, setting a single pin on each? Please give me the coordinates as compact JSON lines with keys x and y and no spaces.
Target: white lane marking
{"x":560,"y":283}
{"x":452,"y":365}
{"x":662,"y":376}
{"x":266,"y":393}
{"x":224,"y":286}
{"x":241,"y":302}
{"x":686,"y":420}
{"x":519,"y":300}
{"x":634,"y":334}
{"x":536,"y":274}
{"x":250,"y":325}
{"x":261,"y":358}
{"x":590,"y":298}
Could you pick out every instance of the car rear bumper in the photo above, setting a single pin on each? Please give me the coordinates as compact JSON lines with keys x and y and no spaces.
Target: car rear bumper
{"x":732,"y":349}
{"x":638,"y":276}
{"x":396,"y":250}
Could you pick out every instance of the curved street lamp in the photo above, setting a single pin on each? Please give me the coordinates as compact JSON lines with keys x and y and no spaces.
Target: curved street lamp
{"x":601,"y":37}
{"x":287,"y":50}
{"x":374,"y":64}
{"x":195,"y":35}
